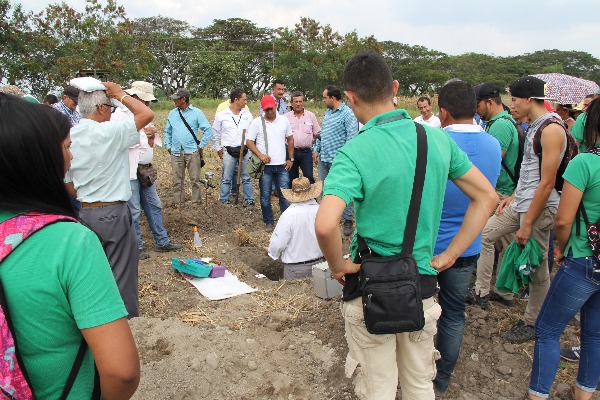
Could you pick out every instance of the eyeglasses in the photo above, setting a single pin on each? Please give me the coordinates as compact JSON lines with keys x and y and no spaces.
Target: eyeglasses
{"x":112,"y":108}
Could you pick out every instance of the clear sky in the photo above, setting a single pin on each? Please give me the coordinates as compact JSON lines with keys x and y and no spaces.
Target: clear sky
{"x":501,"y":28}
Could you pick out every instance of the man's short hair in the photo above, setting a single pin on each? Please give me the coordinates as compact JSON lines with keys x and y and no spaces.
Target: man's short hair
{"x":369,"y":77}
{"x":88,"y":102}
{"x":297,"y":94}
{"x":424,"y":98}
{"x":277,"y":82}
{"x":458,"y":98}
{"x":334,"y":91}
{"x":236,"y":94}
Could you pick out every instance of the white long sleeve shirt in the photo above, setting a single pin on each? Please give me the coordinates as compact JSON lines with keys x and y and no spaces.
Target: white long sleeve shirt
{"x":294,"y":238}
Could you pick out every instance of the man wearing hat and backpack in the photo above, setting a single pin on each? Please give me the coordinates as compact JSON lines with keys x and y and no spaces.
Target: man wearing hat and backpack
{"x":501,"y":126}
{"x":294,"y":239}
{"x":143,"y":190}
{"x":182,"y":143}
{"x":530,"y":211}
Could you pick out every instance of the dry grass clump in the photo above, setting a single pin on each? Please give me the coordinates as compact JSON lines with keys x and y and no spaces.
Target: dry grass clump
{"x":198,"y":317}
{"x":243,"y":237}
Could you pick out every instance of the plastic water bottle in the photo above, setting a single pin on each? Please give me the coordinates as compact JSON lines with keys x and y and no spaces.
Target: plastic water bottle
{"x":197,"y":239}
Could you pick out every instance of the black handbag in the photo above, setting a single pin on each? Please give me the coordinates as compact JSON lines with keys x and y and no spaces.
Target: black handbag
{"x":146,"y":174}
{"x":234,"y":151}
{"x":390,"y":287}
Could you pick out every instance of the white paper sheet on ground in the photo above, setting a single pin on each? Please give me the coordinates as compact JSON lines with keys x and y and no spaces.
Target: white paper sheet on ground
{"x":221,"y":288}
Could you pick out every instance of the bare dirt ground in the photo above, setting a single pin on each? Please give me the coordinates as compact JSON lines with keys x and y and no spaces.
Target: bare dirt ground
{"x":280,"y":342}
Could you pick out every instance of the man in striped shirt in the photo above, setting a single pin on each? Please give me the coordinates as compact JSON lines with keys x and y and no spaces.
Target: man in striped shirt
{"x":338,"y":127}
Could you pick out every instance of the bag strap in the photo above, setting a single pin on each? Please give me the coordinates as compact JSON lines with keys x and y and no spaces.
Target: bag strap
{"x":13,"y":232}
{"x":414,"y":207}
{"x":265,"y":133}
{"x":189,"y":127}
{"x":410,"y":230}
{"x":581,"y":209}
{"x":487,"y":129}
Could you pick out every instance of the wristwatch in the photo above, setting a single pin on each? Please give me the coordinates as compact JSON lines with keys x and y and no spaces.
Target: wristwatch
{"x":292,"y":159}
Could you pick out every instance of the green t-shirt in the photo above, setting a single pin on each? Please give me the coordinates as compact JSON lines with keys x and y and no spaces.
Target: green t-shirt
{"x":57,"y":282}
{"x":577,"y":131}
{"x":503,"y":129}
{"x":583,"y":172}
{"x":375,"y":170}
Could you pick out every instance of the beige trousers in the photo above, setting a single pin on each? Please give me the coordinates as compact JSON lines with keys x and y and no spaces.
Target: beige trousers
{"x":378,"y":362}
{"x":500,"y":225}
{"x":179,"y":163}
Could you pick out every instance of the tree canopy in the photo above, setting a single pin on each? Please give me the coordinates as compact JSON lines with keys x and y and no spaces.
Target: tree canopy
{"x":41,"y":51}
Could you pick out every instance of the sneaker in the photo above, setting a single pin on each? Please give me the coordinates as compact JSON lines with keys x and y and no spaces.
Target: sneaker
{"x":480,"y":301}
{"x":519,"y":333}
{"x":168,"y":247}
{"x":144,"y":255}
{"x":570,"y":353}
{"x":269,"y":227}
{"x":438,"y":390}
{"x":248,"y":203}
{"x":348,"y":228}
{"x":499,"y":299}
{"x":226,"y":202}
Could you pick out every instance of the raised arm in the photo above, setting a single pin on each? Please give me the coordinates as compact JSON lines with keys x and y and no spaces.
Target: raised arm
{"x":142,"y":115}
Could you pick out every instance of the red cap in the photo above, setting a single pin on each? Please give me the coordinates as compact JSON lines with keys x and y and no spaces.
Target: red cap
{"x":549,"y":106}
{"x":267,"y":101}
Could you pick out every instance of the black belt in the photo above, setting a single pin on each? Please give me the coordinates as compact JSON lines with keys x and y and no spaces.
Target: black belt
{"x":302,"y":148}
{"x":306,"y":262}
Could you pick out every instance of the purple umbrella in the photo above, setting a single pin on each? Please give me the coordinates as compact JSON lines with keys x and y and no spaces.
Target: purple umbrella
{"x":566,"y":89}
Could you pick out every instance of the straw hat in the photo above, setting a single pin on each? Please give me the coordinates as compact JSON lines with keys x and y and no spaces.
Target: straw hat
{"x":143,"y":90}
{"x":11,"y":89}
{"x":302,"y":190}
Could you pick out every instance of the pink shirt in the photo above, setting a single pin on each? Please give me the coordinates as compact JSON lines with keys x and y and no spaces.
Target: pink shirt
{"x":304,"y":128}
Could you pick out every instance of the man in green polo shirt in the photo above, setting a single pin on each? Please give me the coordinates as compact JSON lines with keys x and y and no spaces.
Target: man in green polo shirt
{"x":501,"y":125}
{"x":366,"y":172}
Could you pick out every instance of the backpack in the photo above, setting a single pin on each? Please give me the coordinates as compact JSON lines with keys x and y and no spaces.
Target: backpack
{"x":592,"y":229}
{"x":571,"y":150}
{"x":14,"y":382}
{"x":522,"y":135}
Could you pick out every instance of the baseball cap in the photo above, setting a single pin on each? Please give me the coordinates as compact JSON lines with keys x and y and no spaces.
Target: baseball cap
{"x":487,"y":90}
{"x":529,"y":87}
{"x":267,"y":101}
{"x":181,"y":92}
{"x":72,"y":92}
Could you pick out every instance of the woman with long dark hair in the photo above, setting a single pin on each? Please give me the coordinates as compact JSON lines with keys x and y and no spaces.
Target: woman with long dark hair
{"x":576,"y":286}
{"x":58,"y":285}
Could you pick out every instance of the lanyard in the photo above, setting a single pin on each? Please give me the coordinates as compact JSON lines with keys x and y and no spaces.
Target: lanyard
{"x":238,"y":121}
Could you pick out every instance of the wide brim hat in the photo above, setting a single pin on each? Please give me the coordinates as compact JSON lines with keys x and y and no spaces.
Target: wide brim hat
{"x":302,"y":190}
{"x":143,"y":90}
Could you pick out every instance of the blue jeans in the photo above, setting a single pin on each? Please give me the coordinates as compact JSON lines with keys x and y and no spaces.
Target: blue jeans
{"x":576,"y":287}
{"x":302,"y":160}
{"x":148,"y":199}
{"x":274,"y":175}
{"x":454,"y":285}
{"x":229,"y":177}
{"x":323,"y":169}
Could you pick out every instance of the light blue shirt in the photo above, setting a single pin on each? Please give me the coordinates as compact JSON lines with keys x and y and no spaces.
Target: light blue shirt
{"x":100,"y":166}
{"x":178,"y":136}
{"x":337,"y":129}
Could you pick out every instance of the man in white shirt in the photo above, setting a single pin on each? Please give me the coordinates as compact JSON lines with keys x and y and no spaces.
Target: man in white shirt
{"x":294,"y":238}
{"x":427,"y":117}
{"x":274,"y":153}
{"x":227,"y":139}
{"x":143,"y":194}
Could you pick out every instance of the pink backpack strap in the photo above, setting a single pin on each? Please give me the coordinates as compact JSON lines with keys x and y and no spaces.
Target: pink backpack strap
{"x":15,"y":230}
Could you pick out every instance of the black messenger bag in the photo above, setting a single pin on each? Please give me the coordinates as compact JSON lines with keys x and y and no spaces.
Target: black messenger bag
{"x":390,"y":287}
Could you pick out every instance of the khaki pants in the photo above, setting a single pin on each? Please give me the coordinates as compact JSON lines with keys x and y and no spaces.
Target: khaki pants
{"x":378,"y":362}
{"x":179,"y":163}
{"x":500,"y":225}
